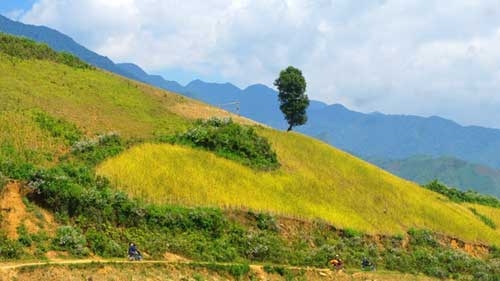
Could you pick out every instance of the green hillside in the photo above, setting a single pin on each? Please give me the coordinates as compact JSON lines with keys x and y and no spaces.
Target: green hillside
{"x":342,"y":190}
{"x":315,"y":181}
{"x":451,"y":171}
{"x":62,"y":124}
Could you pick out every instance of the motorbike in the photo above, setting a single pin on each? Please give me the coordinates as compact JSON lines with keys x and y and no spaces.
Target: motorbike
{"x":367,"y":266}
{"x":337,"y":264}
{"x":135,"y":257}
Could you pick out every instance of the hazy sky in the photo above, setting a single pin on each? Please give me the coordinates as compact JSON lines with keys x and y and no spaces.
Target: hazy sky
{"x":403,"y":56}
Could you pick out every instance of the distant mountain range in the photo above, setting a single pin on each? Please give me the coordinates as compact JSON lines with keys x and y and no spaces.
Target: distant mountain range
{"x":370,"y":136}
{"x":449,"y":170}
{"x":61,"y":42}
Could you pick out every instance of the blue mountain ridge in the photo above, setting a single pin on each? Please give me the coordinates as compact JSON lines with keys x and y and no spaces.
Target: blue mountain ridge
{"x":369,"y":136}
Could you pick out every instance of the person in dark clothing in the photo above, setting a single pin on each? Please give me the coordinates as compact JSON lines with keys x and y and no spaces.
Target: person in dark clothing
{"x":367,"y":264}
{"x":133,"y":253}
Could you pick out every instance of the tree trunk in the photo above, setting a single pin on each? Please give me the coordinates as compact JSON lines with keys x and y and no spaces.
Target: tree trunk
{"x":289,"y":128}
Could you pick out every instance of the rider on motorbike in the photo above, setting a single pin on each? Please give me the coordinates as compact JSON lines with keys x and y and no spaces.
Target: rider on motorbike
{"x":133,"y":253}
{"x":367,"y":264}
{"x":337,"y":262}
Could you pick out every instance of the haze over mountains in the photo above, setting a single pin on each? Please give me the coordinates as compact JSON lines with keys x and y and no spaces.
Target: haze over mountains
{"x":370,"y":136}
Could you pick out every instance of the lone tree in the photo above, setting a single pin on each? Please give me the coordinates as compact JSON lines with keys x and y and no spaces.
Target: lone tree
{"x":293,"y":100}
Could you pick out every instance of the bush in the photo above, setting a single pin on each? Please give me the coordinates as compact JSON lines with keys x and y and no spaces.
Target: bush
{"x":93,"y":151}
{"x":274,"y":269}
{"x":3,"y":180}
{"x":236,"y":270}
{"x":9,"y":249}
{"x":16,"y":170}
{"x":352,"y":233}
{"x":486,"y":220}
{"x":58,"y":128}
{"x":397,"y":259}
{"x":264,"y":221}
{"x":263,"y":246}
{"x":232,"y":141}
{"x":103,"y":245}
{"x":495,"y":252}
{"x":24,"y":236}
{"x":422,"y":237}
{"x":461,"y":196}
{"x":71,"y":239}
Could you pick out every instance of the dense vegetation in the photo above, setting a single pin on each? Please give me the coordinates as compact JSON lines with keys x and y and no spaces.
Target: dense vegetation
{"x":372,"y":201}
{"x":24,"y":48}
{"x":230,"y":140}
{"x":98,"y":220}
{"x":463,"y":196}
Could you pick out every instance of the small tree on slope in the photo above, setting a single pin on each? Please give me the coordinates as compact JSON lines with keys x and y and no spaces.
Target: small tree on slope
{"x":293,"y":100}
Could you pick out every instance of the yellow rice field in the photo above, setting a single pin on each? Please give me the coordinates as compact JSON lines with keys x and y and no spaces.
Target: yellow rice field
{"x":315,"y":181}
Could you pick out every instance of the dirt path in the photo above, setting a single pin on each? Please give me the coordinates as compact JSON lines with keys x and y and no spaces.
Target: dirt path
{"x":65,"y":262}
{"x":11,"y":270}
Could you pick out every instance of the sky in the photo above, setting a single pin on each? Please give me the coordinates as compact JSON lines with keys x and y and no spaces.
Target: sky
{"x":421,"y":57}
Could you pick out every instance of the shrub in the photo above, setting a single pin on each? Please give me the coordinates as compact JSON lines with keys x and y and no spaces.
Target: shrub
{"x":264,"y":221}
{"x":352,"y":233}
{"x":463,"y":196}
{"x":16,"y":170}
{"x":9,"y":249}
{"x":236,"y":270}
{"x":93,"y":151}
{"x":274,"y":269}
{"x":422,"y":237}
{"x":3,"y":180}
{"x":495,"y":252}
{"x":24,"y":236}
{"x":397,"y":259}
{"x":58,"y":128}
{"x":232,"y":141}
{"x":71,"y":239}
{"x":102,"y":244}
{"x":486,"y":220}
{"x":264,"y":245}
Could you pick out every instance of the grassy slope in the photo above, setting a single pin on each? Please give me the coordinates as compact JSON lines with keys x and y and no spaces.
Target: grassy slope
{"x":315,"y":180}
{"x":490,"y":212}
{"x":95,"y":101}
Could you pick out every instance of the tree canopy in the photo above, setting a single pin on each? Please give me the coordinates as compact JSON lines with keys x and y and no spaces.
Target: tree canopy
{"x":293,"y":100}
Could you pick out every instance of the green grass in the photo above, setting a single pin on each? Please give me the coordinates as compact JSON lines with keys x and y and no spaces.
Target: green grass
{"x":23,"y":48}
{"x":94,"y":101}
{"x":36,"y":95}
{"x":314,"y":181}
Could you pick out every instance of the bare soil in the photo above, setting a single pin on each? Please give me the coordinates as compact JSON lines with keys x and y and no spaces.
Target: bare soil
{"x":14,"y":213}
